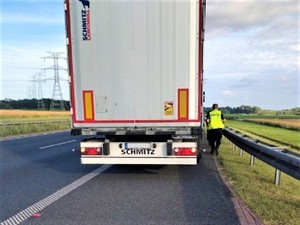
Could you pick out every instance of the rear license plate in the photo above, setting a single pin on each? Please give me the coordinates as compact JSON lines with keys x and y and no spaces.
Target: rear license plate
{"x":137,"y":149}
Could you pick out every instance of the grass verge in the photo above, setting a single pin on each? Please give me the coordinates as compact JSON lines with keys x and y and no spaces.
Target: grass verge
{"x":31,"y":128}
{"x":282,"y":136}
{"x":254,"y":185}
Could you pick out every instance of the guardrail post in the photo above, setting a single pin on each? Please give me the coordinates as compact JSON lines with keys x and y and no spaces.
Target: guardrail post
{"x":227,"y":140}
{"x":241,"y":152}
{"x":277,"y":177}
{"x":252,"y":159}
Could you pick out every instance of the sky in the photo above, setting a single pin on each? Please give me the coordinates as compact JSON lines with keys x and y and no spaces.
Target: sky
{"x":251,"y":54}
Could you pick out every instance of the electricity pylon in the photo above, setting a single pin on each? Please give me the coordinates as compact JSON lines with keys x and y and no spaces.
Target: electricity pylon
{"x":57,"y":97}
{"x":37,"y":90}
{"x":39,"y":80}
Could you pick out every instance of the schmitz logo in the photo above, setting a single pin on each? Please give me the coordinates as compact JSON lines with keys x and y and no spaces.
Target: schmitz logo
{"x":138,"y":151}
{"x":86,"y":20}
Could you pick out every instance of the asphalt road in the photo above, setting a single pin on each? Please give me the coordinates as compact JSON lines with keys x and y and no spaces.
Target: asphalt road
{"x":43,"y":182}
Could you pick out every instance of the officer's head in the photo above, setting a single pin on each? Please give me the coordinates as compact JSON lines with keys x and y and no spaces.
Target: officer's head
{"x":215,"y":106}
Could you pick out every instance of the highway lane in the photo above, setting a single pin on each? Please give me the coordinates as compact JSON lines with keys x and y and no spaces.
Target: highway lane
{"x":29,"y":172}
{"x":35,"y":167}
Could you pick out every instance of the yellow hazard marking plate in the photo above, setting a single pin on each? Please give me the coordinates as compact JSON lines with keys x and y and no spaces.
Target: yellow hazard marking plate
{"x":168,"y":108}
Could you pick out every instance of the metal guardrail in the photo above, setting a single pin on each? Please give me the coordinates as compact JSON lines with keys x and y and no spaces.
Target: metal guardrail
{"x":18,"y":128}
{"x":277,"y":157}
{"x":33,"y":123}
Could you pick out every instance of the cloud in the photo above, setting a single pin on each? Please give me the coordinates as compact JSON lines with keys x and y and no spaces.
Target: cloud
{"x":225,"y":16}
{"x":228,"y":93}
{"x":252,"y":52}
{"x":282,"y":78}
{"x":245,"y":83}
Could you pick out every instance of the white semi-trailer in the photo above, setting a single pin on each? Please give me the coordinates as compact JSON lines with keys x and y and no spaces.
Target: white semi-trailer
{"x":136,"y":77}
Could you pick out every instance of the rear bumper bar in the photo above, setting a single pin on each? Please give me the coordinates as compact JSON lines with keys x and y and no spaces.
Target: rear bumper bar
{"x":139,"y":160}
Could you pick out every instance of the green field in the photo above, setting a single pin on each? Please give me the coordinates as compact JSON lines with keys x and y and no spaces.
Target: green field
{"x":281,"y":136}
{"x":257,"y":116}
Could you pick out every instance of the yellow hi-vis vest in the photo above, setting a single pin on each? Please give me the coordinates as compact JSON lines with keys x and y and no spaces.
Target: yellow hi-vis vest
{"x":215,"y":120}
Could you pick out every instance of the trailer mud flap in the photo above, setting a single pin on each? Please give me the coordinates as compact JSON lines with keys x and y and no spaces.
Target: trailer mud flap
{"x":106,"y":150}
{"x":169,"y":148}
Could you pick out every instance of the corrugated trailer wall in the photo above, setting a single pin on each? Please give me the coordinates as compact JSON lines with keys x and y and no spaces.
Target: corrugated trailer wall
{"x":135,"y":63}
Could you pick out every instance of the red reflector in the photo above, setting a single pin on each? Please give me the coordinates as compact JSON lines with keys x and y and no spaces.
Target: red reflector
{"x":90,"y":151}
{"x":185,"y":151}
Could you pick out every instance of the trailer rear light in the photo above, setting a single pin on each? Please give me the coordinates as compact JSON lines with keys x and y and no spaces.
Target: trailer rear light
{"x":185,"y":151}
{"x":90,"y":151}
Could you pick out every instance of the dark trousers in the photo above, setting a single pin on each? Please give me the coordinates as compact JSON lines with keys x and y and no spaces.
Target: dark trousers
{"x":214,"y":137}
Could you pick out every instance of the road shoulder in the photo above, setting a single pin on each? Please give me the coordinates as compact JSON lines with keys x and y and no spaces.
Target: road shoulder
{"x":245,"y":214}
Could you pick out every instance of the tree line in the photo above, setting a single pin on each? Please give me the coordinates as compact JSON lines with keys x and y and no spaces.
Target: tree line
{"x":34,"y":104}
{"x":245,"y":109}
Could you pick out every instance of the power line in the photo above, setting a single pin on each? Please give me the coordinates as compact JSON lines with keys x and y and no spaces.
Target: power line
{"x":14,"y":80}
{"x":21,"y":67}
{"x":15,"y":53}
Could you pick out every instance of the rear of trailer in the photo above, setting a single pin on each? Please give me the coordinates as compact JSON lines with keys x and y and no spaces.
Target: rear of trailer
{"x":136,"y":77}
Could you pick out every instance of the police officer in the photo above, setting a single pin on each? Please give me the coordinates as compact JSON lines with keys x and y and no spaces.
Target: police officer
{"x":215,"y":124}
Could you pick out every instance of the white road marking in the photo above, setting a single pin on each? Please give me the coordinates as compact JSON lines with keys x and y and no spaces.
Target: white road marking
{"x":62,"y":143}
{"x":35,"y":208}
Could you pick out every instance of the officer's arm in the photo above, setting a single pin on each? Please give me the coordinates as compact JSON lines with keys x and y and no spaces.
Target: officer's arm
{"x":207,"y":118}
{"x":223,"y":118}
